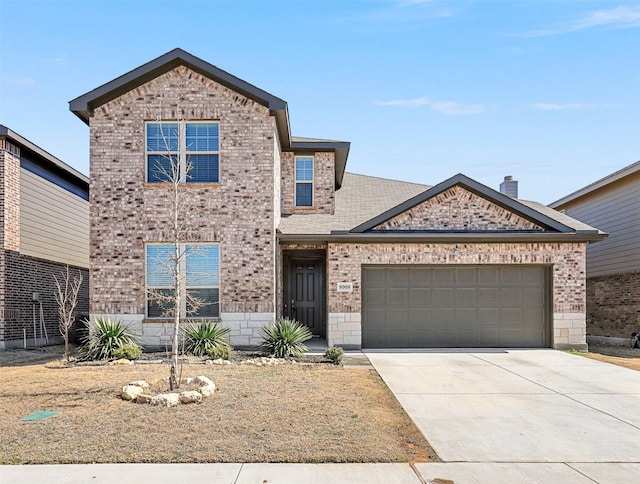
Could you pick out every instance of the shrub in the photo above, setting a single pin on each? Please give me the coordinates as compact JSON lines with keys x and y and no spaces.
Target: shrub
{"x":220,"y":351}
{"x":284,"y":338}
{"x":130,"y":351}
{"x":104,"y":337}
{"x":334,"y":355}
{"x":200,"y":338}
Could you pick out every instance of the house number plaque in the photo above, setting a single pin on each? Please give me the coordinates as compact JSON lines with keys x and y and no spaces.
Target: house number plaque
{"x":345,"y":287}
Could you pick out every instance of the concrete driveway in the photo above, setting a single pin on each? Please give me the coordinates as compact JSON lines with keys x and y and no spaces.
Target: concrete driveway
{"x":499,"y":406}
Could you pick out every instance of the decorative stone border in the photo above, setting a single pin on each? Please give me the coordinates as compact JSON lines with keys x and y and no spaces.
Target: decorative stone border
{"x":135,"y":392}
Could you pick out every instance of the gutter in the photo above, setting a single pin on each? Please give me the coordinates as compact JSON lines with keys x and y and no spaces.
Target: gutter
{"x":439,"y":238}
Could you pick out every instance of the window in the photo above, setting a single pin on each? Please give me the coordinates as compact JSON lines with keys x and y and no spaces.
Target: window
{"x":200,"y":272}
{"x":191,"y":148}
{"x":304,"y":181}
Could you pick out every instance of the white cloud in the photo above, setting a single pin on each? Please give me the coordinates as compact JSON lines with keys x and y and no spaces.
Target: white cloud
{"x":561,"y":107}
{"x":443,"y":107}
{"x":421,"y":101}
{"x":17,"y":81}
{"x":619,"y":18}
{"x":453,"y":108}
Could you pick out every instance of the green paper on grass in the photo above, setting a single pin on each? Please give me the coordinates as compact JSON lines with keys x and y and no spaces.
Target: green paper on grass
{"x":41,"y":415}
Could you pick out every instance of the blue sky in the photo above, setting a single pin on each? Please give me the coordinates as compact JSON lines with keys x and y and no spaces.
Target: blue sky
{"x":546,"y":91}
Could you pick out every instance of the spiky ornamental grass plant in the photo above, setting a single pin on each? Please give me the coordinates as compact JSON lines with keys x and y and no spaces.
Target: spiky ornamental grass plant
{"x":285,"y":338}
{"x":105,"y":337}
{"x":204,"y":338}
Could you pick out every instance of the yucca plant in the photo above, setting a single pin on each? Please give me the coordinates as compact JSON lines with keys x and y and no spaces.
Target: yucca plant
{"x":203,"y":338}
{"x":104,"y":337}
{"x":285,"y":338}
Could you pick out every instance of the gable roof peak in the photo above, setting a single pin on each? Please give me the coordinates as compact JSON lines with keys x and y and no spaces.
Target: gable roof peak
{"x":83,"y":106}
{"x":478,"y":189}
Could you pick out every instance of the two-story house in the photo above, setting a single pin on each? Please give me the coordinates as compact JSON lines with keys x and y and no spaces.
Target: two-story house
{"x":44,"y":226}
{"x":613,"y":266}
{"x":282,"y":228}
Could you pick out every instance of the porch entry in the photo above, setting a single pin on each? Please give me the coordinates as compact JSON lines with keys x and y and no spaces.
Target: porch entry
{"x":304,"y":289}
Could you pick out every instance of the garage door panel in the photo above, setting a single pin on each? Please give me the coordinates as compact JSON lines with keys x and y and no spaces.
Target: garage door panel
{"x":374,"y":297}
{"x":442,"y":297}
{"x":398,"y":297}
{"x":447,"y":306}
{"x":442,"y":276}
{"x":419,"y":297}
{"x":466,"y":298}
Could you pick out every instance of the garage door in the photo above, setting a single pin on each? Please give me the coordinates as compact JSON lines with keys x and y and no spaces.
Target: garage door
{"x":461,"y":306}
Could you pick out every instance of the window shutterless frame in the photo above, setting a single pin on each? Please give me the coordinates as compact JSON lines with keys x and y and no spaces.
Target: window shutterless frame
{"x":191,"y":144}
{"x":200,"y":277}
{"x":304,"y":179}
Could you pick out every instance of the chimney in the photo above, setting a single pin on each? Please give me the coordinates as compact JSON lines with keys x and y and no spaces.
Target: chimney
{"x":509,"y":187}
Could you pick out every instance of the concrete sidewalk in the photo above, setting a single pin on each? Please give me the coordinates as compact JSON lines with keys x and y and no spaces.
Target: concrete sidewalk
{"x":459,"y":473}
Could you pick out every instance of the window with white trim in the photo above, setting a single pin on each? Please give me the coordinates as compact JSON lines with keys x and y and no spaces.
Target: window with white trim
{"x":304,"y":181}
{"x":200,"y":273}
{"x":193,"y":147}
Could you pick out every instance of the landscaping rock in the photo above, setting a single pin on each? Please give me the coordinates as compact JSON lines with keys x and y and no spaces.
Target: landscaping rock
{"x":207,"y":390}
{"x":187,"y":381}
{"x":166,"y":400}
{"x":144,"y":398}
{"x":122,"y":361}
{"x":190,"y":397}
{"x":140,"y":383}
{"x":202,"y":380}
{"x":131,"y":392}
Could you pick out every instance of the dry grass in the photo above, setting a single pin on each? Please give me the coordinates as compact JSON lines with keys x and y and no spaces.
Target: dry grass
{"x":617,"y":355}
{"x":289,"y":413}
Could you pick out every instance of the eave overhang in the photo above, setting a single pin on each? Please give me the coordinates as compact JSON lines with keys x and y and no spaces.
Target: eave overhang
{"x":445,"y":237}
{"x":340,"y":148}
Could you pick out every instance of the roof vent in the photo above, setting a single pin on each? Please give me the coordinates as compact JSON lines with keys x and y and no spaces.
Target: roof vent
{"x":509,"y":187}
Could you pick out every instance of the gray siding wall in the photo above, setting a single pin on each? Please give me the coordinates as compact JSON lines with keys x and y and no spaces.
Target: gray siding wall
{"x":616,"y":210}
{"x":54,"y":223}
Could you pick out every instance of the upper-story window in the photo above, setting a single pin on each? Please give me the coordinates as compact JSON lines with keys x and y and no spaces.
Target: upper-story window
{"x":304,"y":181}
{"x":191,"y":149}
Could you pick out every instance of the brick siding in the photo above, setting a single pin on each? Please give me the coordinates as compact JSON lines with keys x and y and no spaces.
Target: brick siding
{"x":568,"y":272}
{"x":613,"y":305}
{"x":458,"y":209}
{"x":238,"y":213}
{"x":25,"y":275}
{"x":323,"y":184}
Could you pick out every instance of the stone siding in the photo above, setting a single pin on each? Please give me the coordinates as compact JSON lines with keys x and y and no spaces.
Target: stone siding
{"x":457,"y":209}
{"x":567,"y":261}
{"x":613,"y":305}
{"x":324,"y":183}
{"x":126,"y":213}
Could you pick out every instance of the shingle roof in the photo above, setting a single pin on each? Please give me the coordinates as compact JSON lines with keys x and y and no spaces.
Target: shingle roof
{"x":360,"y":199}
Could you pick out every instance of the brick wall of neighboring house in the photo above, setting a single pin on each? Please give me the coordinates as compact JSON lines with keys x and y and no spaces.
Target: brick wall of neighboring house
{"x":566,"y":259}
{"x":323,"y":184}
{"x":238,"y":213}
{"x":24,"y":276}
{"x":458,"y":209}
{"x":613,"y":305}
{"x":9,"y":227}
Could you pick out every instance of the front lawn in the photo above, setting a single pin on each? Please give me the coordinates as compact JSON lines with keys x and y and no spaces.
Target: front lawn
{"x":288,"y":413}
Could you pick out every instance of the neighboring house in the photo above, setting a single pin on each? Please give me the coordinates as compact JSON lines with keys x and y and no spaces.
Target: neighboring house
{"x":613,"y":266}
{"x":283,"y":230}
{"x":44,"y":225}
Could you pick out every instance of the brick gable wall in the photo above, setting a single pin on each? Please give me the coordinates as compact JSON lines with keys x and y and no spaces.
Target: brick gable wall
{"x":457,"y":209}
